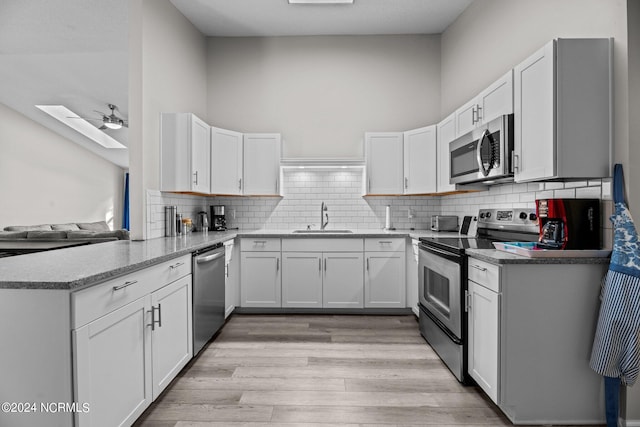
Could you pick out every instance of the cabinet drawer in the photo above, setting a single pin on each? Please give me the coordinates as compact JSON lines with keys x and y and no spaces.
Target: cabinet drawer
{"x":384,"y":244}
{"x":96,"y":301}
{"x":322,"y":245}
{"x":484,"y":273}
{"x":89,"y":304}
{"x":172,"y":270}
{"x":260,"y":244}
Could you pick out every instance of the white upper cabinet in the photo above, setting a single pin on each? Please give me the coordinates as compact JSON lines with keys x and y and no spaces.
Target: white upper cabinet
{"x":420,"y":172}
{"x":226,"y":162}
{"x":385,"y":158}
{"x":562,"y":123}
{"x":261,"y":164}
{"x":446,"y":131}
{"x":185,"y":150}
{"x":494,"y":101}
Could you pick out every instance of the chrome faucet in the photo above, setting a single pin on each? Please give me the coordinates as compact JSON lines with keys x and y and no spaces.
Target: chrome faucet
{"x":323,"y":208}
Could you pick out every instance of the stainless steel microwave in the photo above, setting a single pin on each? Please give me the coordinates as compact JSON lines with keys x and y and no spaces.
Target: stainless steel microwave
{"x":484,"y":154}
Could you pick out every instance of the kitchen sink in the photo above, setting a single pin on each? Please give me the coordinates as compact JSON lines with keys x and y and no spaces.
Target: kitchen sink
{"x":322,"y":231}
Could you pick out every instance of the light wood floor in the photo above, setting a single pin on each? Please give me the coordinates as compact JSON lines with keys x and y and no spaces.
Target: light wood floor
{"x":320,"y":371}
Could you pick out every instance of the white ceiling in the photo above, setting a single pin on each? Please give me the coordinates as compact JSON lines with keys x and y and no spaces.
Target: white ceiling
{"x":236,"y":18}
{"x":75,"y":52}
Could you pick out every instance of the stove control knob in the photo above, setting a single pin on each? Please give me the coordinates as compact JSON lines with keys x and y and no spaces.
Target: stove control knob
{"x":523,"y":215}
{"x":533,"y":216}
{"x":488,"y":214}
{"x":482,"y":215}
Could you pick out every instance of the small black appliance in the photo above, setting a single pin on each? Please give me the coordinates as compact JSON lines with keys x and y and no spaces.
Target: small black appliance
{"x":569,"y":223}
{"x":218,"y":220}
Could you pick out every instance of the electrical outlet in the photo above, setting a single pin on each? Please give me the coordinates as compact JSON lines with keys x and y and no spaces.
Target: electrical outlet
{"x":233,"y":213}
{"x":410,"y":213}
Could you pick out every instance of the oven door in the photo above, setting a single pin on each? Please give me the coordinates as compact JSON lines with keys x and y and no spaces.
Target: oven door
{"x":440,"y":287}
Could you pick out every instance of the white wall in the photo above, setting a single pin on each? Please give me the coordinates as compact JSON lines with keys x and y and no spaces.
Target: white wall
{"x":45,"y":178}
{"x":322,"y":93}
{"x":167,"y":73}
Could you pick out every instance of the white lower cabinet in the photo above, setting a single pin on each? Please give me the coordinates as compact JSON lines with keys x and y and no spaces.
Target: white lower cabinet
{"x":385,"y":267}
{"x":171,"y":338}
{"x":384,"y":284}
{"x":113,"y":366}
{"x":343,"y":280}
{"x":530,"y":333}
{"x":301,"y":279}
{"x":131,"y":336}
{"x":260,"y":279}
{"x":231,"y":277}
{"x":484,"y":312}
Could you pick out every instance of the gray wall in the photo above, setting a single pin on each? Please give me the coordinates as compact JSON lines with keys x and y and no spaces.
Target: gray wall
{"x":46,"y":178}
{"x":167,"y":73}
{"x":323,"y":93}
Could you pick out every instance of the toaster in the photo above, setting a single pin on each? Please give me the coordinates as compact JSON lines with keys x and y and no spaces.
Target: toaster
{"x":444,"y":223}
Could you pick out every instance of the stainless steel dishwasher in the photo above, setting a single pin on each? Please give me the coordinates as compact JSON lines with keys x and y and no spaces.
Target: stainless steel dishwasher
{"x":208,"y":294}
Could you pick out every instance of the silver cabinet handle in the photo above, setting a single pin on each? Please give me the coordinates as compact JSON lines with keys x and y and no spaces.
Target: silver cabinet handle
{"x":277,"y":264}
{"x":176,"y":265}
{"x":325,"y":265}
{"x":261,"y":242}
{"x":477,"y":267}
{"x":320,"y":265}
{"x":474,"y":115}
{"x":196,"y":177}
{"x":467,"y":301}
{"x":406,"y":182}
{"x":240,"y":184}
{"x":153,"y":318}
{"x":516,"y":162}
{"x":124,"y":285}
{"x":367,"y":263}
{"x":277,"y":186}
{"x":478,"y":115}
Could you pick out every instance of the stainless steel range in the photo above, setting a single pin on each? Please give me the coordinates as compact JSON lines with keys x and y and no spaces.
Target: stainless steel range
{"x":443,"y":279}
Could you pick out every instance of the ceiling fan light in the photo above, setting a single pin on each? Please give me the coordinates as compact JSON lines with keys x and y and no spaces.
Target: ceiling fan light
{"x":113,"y":125}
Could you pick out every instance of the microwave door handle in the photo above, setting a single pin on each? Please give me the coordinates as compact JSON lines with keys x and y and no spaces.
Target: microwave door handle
{"x":484,"y":171}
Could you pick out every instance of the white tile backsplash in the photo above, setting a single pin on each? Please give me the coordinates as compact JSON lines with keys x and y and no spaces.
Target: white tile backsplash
{"x":341,"y":190}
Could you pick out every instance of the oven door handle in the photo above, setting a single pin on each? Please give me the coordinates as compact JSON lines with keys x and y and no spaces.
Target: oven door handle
{"x":448,"y":255}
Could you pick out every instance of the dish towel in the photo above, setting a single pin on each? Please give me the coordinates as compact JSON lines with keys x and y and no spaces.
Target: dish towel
{"x":616,"y":348}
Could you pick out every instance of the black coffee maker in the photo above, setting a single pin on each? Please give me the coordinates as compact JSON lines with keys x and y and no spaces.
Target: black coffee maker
{"x":218,"y":220}
{"x":569,"y":223}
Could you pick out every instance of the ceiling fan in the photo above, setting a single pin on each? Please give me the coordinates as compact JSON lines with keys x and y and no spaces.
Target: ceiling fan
{"x":109,"y":121}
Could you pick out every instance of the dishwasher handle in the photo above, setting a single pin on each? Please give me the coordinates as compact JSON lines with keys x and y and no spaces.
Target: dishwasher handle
{"x":208,"y":258}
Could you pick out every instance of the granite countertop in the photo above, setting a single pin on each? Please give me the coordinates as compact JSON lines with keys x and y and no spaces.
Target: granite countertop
{"x":81,"y":266}
{"x":495,"y":256}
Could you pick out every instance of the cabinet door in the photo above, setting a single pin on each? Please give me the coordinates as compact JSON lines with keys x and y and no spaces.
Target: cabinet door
{"x":261,"y":164}
{"x":260,"y":279}
{"x":466,"y":117}
{"x":226,"y":162}
{"x":343,"y":280}
{"x":200,"y":155}
{"x":446,"y":130}
{"x":301,"y":279}
{"x":112,"y":366}
{"x":534,"y":116}
{"x":384,"y":284}
{"x":420,"y":172}
{"x":230,"y":277}
{"x":171,"y":333}
{"x":484,"y":332}
{"x":384,"y":162}
{"x":497,"y":99}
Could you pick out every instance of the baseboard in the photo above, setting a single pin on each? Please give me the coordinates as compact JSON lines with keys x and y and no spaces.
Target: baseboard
{"x":629,"y":423}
